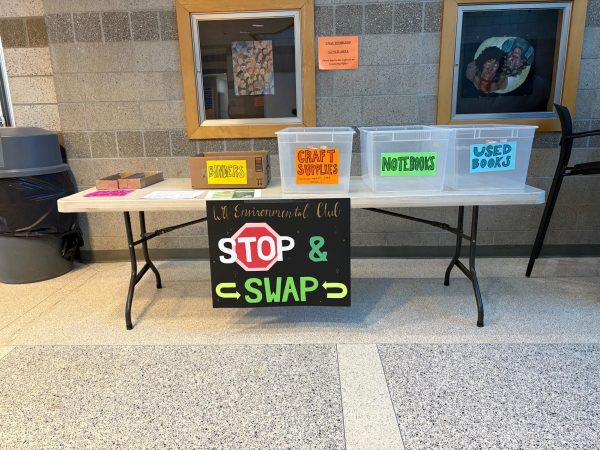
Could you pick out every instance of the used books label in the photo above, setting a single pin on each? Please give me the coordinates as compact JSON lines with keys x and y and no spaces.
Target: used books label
{"x":279,"y":252}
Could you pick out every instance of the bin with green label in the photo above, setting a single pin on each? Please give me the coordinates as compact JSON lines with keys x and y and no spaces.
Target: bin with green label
{"x":404,"y":158}
{"x":488,"y":157}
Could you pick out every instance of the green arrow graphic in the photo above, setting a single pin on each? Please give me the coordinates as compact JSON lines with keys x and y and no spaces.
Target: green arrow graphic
{"x":343,"y":289}
{"x":220,"y":293}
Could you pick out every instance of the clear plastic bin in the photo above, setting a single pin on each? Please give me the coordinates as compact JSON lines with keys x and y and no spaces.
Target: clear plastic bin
{"x":489,"y":156}
{"x":315,"y":159}
{"x":410,"y":158}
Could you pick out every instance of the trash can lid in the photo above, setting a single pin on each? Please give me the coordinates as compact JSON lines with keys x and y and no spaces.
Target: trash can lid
{"x":23,"y":131}
{"x":27,"y":151}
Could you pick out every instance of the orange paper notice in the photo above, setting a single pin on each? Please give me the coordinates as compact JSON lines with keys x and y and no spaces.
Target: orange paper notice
{"x":317,"y":165}
{"x":338,"y":53}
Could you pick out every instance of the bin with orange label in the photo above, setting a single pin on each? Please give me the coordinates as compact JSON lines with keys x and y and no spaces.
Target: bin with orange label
{"x":314,"y":160}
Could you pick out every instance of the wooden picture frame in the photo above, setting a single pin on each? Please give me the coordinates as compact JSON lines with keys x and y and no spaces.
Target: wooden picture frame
{"x":561,"y":87}
{"x":197,"y":124}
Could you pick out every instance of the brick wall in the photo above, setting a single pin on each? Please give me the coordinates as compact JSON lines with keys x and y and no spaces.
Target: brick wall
{"x":116,"y":70}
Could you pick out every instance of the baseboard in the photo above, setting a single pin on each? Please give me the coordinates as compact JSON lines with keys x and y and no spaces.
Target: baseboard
{"x":490,"y":251}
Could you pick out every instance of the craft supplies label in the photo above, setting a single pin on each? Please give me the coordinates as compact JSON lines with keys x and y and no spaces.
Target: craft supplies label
{"x":227,"y":171}
{"x":493,"y":157}
{"x":317,"y":165}
{"x":408,"y":164}
{"x":279,"y":252}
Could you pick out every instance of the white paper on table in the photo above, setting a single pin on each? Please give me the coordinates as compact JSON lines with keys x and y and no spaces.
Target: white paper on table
{"x":173,"y":195}
{"x":233,"y":194}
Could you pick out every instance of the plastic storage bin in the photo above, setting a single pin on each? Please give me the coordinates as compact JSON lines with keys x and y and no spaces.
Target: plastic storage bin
{"x":410,"y":158}
{"x":489,"y":156}
{"x":315,"y":159}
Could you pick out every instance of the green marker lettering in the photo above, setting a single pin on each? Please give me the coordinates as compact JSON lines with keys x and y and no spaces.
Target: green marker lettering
{"x":408,"y":164}
{"x":290,"y":288}
{"x":273,"y":296}
{"x":305,"y":287}
{"x":251,"y":289}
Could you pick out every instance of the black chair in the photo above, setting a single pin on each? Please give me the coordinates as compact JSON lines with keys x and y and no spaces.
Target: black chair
{"x":562,"y":170}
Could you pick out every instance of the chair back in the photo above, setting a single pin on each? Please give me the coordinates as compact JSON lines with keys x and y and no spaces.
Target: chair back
{"x":566,"y":141}
{"x":566,"y":123}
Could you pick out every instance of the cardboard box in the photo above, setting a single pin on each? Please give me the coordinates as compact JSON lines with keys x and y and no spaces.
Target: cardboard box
{"x":140,"y":180}
{"x":129,"y":180}
{"x":217,"y":170}
{"x":110,"y":182}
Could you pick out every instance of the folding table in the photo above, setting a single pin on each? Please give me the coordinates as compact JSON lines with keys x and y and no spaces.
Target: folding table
{"x":360,"y":196}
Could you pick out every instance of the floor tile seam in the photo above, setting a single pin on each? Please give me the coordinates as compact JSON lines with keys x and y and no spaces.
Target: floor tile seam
{"x":332,"y":345}
{"x":61,"y":293}
{"x":318,"y":343}
{"x":2,"y":353}
{"x":29,"y":310}
{"x":337,"y":361}
{"x":79,"y":268}
{"x":358,"y":358}
{"x":387,"y":385}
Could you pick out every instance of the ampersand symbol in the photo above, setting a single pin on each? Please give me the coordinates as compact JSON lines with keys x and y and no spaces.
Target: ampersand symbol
{"x":316,"y":243}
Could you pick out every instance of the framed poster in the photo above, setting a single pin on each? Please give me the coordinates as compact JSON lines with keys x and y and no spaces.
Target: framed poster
{"x":273,"y":253}
{"x":509,"y":61}
{"x":247,"y":66}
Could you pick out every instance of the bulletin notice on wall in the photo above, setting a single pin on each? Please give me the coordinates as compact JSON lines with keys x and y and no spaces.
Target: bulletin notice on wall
{"x":338,"y":53}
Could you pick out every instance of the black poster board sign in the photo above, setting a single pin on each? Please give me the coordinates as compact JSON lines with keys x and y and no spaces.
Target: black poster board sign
{"x":267,"y":253}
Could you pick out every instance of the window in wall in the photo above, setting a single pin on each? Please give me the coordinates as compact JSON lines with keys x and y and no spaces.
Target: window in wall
{"x":6,"y":112}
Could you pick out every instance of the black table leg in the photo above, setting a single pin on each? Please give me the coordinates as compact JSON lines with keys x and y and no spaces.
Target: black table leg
{"x":145,"y":250}
{"x":135,"y":275}
{"x":459,"y":239}
{"x":471,"y":272}
{"x":473,"y":277}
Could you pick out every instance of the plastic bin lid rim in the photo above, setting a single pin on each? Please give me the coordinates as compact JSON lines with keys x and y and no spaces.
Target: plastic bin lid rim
{"x":316,"y":130}
{"x":495,"y":126}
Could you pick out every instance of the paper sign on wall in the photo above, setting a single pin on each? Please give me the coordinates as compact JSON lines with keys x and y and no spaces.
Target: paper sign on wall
{"x":338,"y":53}
{"x":317,"y":165}
{"x":408,"y":164}
{"x":227,"y":171}
{"x":492,"y":157}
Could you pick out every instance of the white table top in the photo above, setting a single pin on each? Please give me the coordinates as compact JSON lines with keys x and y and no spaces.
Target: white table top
{"x":360,"y":194}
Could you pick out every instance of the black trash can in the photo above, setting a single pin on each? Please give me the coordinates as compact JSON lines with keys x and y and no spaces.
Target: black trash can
{"x":36,"y":241}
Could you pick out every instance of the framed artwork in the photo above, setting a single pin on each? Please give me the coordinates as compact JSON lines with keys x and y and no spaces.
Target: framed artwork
{"x":247,"y":66}
{"x":509,"y":61}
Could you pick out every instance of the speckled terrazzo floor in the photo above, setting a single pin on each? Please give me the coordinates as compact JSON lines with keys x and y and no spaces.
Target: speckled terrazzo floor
{"x":174,"y":397}
{"x":404,"y":367}
{"x":492,"y":396}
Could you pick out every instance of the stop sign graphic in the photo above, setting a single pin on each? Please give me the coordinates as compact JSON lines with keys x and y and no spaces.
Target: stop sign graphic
{"x":258,"y":247}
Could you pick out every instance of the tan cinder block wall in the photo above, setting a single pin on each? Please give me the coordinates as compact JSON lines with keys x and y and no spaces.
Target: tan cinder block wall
{"x":23,"y":31}
{"x":115,"y":67}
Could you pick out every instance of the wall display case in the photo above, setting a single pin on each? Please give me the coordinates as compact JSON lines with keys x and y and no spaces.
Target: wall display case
{"x":509,"y":61}
{"x":247,"y":66}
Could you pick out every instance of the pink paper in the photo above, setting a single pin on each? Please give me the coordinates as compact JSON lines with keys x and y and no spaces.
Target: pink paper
{"x":111,"y":193}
